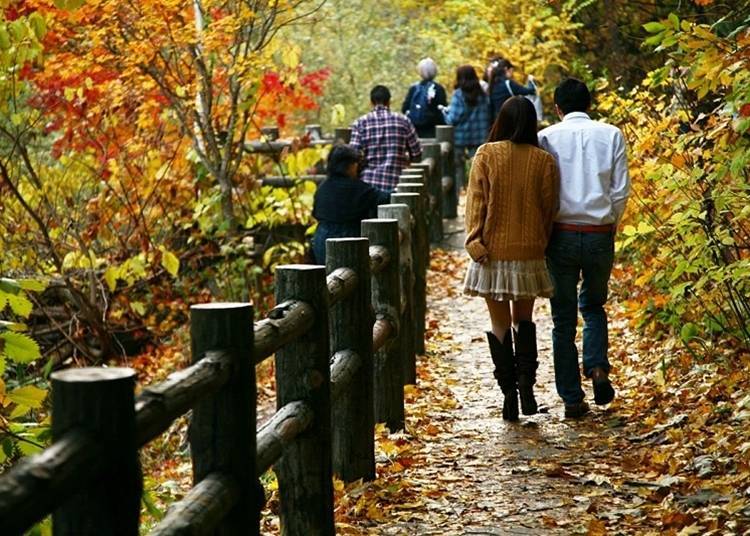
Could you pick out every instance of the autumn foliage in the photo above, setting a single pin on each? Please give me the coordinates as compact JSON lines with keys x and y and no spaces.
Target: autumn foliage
{"x":126,"y":193}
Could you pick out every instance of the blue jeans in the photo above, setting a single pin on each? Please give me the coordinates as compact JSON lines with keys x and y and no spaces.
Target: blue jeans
{"x":326,"y":230}
{"x":572,"y":257}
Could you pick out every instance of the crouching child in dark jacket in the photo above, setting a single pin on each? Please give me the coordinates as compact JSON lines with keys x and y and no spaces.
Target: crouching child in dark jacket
{"x":342,"y":200}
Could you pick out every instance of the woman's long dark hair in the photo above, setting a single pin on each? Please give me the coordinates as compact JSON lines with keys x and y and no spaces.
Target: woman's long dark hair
{"x":515,"y":122}
{"x":468,"y":82}
{"x":498,"y":72}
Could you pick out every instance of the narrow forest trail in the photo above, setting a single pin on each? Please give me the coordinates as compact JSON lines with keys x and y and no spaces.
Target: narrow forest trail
{"x":490,"y":476}
{"x":658,"y":460}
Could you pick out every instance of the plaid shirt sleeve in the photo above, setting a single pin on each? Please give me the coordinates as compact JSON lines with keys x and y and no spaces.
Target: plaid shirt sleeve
{"x":455,"y":113}
{"x":355,"y":140}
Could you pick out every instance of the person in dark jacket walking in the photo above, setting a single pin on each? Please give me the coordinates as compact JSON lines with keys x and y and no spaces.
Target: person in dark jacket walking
{"x":342,"y":200}
{"x":424,"y":99}
{"x":503,"y":87}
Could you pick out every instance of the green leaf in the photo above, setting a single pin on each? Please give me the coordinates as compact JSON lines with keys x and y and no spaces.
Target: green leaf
{"x":170,"y":262}
{"x":688,"y":332}
{"x":138,"y":307}
{"x":8,"y":447}
{"x":32,"y":284}
{"x":19,"y":411}
{"x":10,"y":286}
{"x":674,"y":20}
{"x":20,"y":304}
{"x":28,"y":395}
{"x":654,"y":39}
{"x":654,"y":27}
{"x":110,"y":277}
{"x":629,"y":230}
{"x":150,"y":504}
{"x":18,"y":347}
{"x":645,"y":228}
{"x":27,"y":449}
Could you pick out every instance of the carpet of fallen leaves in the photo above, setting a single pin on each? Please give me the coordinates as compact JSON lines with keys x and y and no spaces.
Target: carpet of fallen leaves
{"x":670,"y":456}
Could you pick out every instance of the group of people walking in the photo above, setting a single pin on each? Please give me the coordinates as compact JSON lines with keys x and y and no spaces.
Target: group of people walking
{"x":542,"y":210}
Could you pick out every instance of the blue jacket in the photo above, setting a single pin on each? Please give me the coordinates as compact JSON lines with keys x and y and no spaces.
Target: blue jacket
{"x":472,"y":123}
{"x":499,"y":93}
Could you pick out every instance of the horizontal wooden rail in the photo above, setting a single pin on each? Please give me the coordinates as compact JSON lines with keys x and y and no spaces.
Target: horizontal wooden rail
{"x":341,"y":283}
{"x":344,"y":366}
{"x":379,"y":259}
{"x":277,"y":146}
{"x":382,"y":330}
{"x":284,"y":323}
{"x":159,"y":405}
{"x":202,"y":509}
{"x":288,"y":182}
{"x":35,"y":486}
{"x":280,"y":430}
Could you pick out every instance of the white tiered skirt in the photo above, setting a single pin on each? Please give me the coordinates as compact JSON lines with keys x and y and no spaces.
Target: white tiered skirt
{"x":508,"y":280}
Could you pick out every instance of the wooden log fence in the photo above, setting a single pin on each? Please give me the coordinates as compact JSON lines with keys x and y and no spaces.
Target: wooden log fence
{"x":344,"y":338}
{"x":436,"y":171}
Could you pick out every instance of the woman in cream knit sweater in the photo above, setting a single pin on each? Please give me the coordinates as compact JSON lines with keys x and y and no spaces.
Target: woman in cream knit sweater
{"x":510,"y":206}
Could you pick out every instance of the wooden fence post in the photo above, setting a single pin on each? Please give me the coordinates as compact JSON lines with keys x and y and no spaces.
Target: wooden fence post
{"x":420,"y":254}
{"x":402,"y":214}
{"x":222,"y":429}
{"x":342,"y":135}
{"x":315,"y":132}
{"x":270,"y":133}
{"x":435,"y":187}
{"x":389,"y":378}
{"x":303,"y":374}
{"x":101,"y":402}
{"x":445,"y":136}
{"x":353,"y":417}
{"x":419,"y":187}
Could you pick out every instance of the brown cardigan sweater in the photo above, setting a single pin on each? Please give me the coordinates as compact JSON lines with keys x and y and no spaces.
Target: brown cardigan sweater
{"x":511,"y":203}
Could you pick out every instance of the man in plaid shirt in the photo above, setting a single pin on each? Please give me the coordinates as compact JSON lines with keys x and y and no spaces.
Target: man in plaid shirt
{"x":384,"y":138}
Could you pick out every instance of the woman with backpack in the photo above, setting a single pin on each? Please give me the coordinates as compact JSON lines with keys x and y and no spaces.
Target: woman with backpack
{"x":469,"y":113}
{"x":503,"y":87}
{"x":511,"y":204}
{"x":423,"y":100}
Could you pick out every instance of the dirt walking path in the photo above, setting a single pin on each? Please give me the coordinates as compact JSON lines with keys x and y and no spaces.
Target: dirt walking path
{"x":531,"y":477}
{"x":645,"y":465}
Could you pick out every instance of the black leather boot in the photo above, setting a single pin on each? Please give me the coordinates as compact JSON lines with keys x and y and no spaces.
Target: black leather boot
{"x":505,"y":373}
{"x":526,"y":365}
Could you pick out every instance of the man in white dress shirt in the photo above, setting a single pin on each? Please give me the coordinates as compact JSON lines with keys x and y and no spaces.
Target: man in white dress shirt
{"x":594,"y":187}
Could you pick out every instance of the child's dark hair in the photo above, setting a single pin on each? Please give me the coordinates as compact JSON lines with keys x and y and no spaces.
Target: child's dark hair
{"x":515,"y":122}
{"x":340,"y":158}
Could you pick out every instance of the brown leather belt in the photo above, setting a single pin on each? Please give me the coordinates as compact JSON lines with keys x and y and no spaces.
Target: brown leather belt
{"x":583,"y":228}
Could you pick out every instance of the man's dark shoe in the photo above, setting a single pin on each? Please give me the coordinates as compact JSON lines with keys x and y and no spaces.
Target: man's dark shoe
{"x":604,"y":393}
{"x":577,"y":410}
